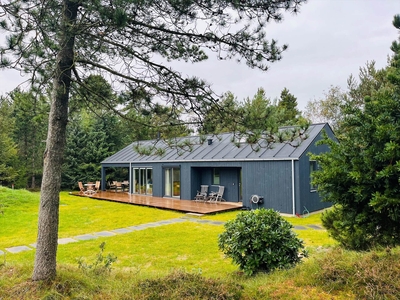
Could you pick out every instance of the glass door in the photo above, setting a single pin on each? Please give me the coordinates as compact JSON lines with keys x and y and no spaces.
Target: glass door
{"x":136,"y":184}
{"x":168,"y":184}
{"x":142,"y":181}
{"x":176,"y":181}
{"x":172,"y":180}
{"x":149,"y":181}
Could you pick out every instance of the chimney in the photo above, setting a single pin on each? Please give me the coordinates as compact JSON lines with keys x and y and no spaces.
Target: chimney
{"x":209,"y":141}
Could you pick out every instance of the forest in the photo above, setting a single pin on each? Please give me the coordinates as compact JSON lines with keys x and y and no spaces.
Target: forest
{"x":95,"y":132}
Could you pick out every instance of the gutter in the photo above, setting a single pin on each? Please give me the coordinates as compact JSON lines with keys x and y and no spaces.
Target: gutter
{"x":199,"y":160}
{"x":293,"y":190}
{"x":130,"y":178}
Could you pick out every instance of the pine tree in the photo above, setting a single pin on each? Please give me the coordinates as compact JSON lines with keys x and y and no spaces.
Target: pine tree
{"x":30,"y":110}
{"x":8,"y":149}
{"x":288,"y":108}
{"x":360,"y":175}
{"x":61,"y":41}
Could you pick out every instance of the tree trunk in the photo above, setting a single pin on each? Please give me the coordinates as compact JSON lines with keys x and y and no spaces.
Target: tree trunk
{"x":46,"y":249}
{"x":33,"y":182}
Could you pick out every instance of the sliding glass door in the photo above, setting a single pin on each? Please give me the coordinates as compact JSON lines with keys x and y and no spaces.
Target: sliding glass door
{"x":142,"y":181}
{"x":172,"y":181}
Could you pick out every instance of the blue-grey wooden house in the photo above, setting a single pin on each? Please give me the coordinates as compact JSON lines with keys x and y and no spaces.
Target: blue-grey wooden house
{"x":279,"y":174}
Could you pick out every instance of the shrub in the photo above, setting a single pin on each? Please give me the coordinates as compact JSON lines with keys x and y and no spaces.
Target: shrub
{"x":261,"y":240}
{"x":182,"y":285}
{"x":101,"y":265}
{"x":369,"y":275}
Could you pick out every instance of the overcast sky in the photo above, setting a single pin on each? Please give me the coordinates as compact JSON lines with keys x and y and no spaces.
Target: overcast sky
{"x":328,"y":40}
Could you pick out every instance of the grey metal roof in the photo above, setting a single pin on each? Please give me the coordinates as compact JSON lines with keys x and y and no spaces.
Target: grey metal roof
{"x":221,"y":149}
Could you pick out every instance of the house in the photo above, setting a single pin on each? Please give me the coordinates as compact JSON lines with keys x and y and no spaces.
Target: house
{"x":277,"y":177}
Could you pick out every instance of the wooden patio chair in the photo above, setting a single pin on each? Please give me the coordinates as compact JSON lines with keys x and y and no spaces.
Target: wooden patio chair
{"x":111,"y":185}
{"x":217,"y":196}
{"x":202,"y":194}
{"x":97,"y":186}
{"x":125,"y":185}
{"x":81,"y":188}
{"x":118,"y":186}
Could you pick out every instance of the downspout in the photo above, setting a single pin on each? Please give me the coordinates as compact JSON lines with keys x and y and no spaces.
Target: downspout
{"x":103,"y":179}
{"x":293,"y":190}
{"x":130,"y":178}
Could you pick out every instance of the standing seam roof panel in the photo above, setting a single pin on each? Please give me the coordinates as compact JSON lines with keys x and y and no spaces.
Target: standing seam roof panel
{"x":221,"y":148}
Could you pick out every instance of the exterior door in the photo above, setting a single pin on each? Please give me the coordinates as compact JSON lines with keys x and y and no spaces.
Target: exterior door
{"x":142,"y":181}
{"x":172,"y":182}
{"x":230,"y":178}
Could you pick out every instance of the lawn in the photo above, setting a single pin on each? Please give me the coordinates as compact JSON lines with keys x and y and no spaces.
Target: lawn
{"x":188,"y":245}
{"x":82,"y":215}
{"x":170,"y":253}
{"x":78,"y":215}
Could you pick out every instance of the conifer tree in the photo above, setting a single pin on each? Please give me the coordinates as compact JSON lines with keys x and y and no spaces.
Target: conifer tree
{"x":288,"y":108}
{"x":360,"y":175}
{"x":30,"y":112}
{"x":8,"y":148}
{"x":63,"y":41}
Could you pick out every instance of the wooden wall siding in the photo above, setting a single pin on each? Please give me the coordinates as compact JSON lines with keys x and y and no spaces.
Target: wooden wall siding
{"x":307,"y":198}
{"x":158,"y":179}
{"x":272,"y":180}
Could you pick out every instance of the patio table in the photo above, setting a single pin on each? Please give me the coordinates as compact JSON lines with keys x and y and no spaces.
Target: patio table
{"x":90,"y":188}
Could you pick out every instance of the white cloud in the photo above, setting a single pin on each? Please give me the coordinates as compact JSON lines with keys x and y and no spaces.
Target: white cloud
{"x":328,"y":40}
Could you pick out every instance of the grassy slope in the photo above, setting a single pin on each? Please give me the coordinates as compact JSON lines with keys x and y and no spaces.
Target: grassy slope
{"x":78,"y":215}
{"x":155,"y":252}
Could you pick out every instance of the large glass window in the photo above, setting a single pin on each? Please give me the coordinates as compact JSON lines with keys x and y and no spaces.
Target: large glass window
{"x":143,"y":181}
{"x":149,"y":180}
{"x":168,"y":185}
{"x":172,"y":182}
{"x":176,"y":177}
{"x":216,"y":176}
{"x":313,"y":168}
{"x":136,"y":184}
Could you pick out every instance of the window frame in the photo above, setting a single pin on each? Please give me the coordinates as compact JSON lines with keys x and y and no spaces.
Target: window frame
{"x":216,"y":176}
{"x":313,"y":166}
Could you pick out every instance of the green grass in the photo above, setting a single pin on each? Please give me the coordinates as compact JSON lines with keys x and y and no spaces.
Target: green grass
{"x":165,"y":262}
{"x":78,"y":215}
{"x":311,"y":237}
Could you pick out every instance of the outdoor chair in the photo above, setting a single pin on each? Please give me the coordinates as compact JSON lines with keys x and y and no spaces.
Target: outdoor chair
{"x":81,"y":188}
{"x":125,"y":185}
{"x":202,"y":194}
{"x":97,"y":186}
{"x":111,"y":185}
{"x":217,"y":196}
{"x":118,"y":186}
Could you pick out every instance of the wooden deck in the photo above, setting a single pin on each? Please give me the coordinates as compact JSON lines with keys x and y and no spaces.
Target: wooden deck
{"x":165,"y":203}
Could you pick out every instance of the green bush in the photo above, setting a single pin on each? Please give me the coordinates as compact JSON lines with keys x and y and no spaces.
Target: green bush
{"x":183,"y":285}
{"x":261,"y":240}
{"x":101,"y":265}
{"x":369,"y":275}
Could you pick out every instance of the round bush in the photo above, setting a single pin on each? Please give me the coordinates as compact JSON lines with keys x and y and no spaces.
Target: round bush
{"x":261,"y":240}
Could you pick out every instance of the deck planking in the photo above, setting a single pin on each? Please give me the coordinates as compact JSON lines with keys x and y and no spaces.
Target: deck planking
{"x":188,"y":206}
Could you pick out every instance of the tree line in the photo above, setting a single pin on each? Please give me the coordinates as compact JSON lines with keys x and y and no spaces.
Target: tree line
{"x":68,"y":46}
{"x":94,"y":133}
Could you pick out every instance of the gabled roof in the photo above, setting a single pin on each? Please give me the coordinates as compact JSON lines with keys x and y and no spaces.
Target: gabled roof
{"x":221,"y":149}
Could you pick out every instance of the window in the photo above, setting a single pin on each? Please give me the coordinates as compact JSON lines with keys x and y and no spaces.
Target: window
{"x":216,"y":176}
{"x":143,"y":181}
{"x":313,"y":167}
{"x":172,"y":182}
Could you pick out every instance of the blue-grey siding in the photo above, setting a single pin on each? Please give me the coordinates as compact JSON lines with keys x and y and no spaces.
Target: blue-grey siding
{"x":307,"y":198}
{"x":270,"y":179}
{"x":271,"y":173}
